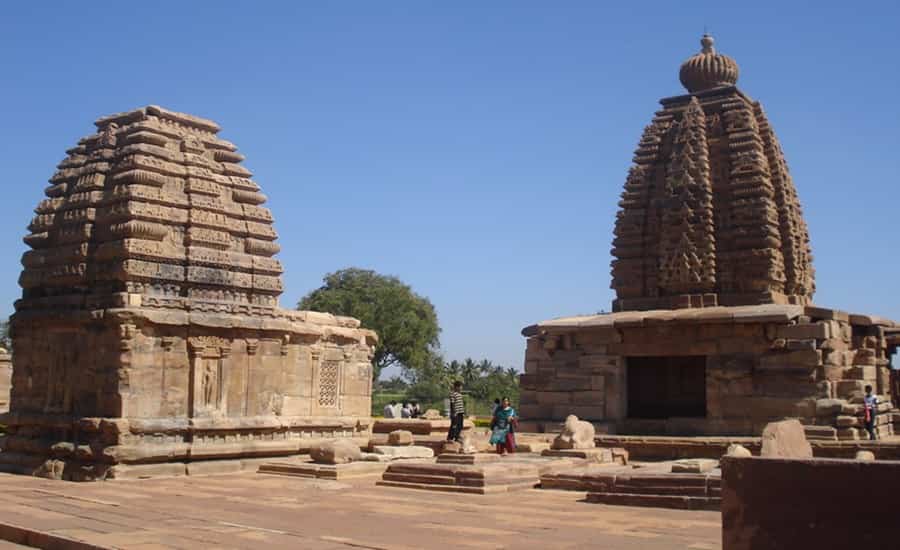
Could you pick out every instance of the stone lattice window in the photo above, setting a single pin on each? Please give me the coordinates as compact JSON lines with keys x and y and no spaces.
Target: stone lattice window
{"x":329,"y":377}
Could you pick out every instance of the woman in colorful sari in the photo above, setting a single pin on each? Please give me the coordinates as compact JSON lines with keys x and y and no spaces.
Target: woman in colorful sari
{"x":503,"y":427}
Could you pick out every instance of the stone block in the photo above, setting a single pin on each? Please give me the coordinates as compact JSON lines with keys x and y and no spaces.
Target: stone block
{"x":816,"y":331}
{"x":554,"y":397}
{"x":410,"y":451}
{"x":785,"y":439}
{"x":829,"y":407}
{"x":803,"y":360}
{"x":862,"y":372}
{"x":590,"y":412}
{"x":820,"y":313}
{"x":595,"y":398}
{"x":800,"y":345}
{"x":536,"y":411}
{"x":400,"y":438}
{"x":807,"y":504}
{"x":695,"y":465}
{"x":849,"y":389}
{"x":339,"y":451}
{"x":848,"y":422}
{"x":826,"y":433}
{"x":579,"y":383}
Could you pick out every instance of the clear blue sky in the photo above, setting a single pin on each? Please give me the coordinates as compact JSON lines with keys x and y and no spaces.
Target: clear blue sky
{"x":474,"y":149}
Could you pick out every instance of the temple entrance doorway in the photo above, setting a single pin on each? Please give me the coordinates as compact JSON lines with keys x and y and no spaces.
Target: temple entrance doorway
{"x":666,"y":387}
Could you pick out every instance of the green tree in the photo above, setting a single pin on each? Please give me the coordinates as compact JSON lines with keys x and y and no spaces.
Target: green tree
{"x":406,"y":323}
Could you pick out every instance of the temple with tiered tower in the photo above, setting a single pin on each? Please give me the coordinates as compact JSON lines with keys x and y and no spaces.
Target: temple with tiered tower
{"x":148,"y":339}
{"x":713,"y":330}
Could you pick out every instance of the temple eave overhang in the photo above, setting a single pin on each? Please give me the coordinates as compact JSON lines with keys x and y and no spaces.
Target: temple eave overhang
{"x":765,"y":313}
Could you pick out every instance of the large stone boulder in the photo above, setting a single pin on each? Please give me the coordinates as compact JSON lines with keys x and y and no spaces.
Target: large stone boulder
{"x":338,"y":451}
{"x":866,"y":456}
{"x":785,"y":439}
{"x":431,"y":414}
{"x":400,"y":438}
{"x":576,"y":434}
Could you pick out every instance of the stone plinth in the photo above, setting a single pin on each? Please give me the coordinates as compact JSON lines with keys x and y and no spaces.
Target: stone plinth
{"x":602,"y":455}
{"x":149,"y":329}
{"x":298,"y":468}
{"x":477,"y":458}
{"x":480,"y":475}
{"x":650,"y":485}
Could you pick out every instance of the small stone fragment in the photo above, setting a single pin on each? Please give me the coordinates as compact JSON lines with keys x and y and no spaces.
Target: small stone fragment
{"x":339,"y":451}
{"x":400,"y":437}
{"x":865,"y":456}
{"x":738,"y":451}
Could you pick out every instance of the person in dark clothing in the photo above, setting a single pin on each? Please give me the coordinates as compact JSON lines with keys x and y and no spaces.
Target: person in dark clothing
{"x":457,"y":412}
{"x":870,"y":409}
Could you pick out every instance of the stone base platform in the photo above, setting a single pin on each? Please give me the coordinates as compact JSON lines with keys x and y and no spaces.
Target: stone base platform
{"x":300,"y":468}
{"x":482,"y":475}
{"x":477,"y":458}
{"x":603,"y":455}
{"x":642,"y":447}
{"x":648,"y":485}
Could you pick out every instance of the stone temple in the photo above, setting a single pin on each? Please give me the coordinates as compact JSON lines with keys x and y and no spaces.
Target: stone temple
{"x":148,"y":339}
{"x":713,"y":331}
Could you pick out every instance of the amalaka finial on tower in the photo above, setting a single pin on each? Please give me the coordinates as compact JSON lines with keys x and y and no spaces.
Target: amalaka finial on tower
{"x":708,"y":69}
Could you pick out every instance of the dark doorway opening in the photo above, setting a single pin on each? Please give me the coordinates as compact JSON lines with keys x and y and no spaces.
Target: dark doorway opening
{"x":664,"y":387}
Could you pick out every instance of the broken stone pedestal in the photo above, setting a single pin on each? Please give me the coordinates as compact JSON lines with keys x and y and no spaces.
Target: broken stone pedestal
{"x":478,"y":474}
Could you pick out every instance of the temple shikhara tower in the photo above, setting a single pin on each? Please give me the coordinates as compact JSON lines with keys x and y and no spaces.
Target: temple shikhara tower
{"x":713,"y":330}
{"x":148,"y":339}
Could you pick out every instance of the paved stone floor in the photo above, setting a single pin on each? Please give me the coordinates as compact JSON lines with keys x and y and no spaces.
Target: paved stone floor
{"x":255,"y":510}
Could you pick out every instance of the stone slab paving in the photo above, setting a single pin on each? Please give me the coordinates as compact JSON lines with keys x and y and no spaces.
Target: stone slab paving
{"x":251,"y":510}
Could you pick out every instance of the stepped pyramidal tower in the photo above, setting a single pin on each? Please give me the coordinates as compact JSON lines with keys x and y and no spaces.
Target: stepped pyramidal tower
{"x":713,"y":331}
{"x":709,"y":215}
{"x":148,"y":338}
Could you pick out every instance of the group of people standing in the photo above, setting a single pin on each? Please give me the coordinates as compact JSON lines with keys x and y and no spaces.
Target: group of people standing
{"x":407,"y":410}
{"x":504,"y":421}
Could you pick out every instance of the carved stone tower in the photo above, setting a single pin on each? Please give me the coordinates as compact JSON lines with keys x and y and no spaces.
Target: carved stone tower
{"x":709,"y":215}
{"x":149,"y":336}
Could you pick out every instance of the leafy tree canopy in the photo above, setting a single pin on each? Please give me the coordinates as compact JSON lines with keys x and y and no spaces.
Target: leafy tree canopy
{"x":406,"y":323}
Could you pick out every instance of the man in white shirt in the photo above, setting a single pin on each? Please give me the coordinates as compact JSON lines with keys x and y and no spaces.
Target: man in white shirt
{"x":390,"y":410}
